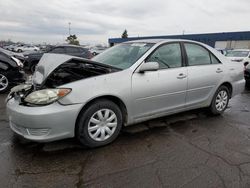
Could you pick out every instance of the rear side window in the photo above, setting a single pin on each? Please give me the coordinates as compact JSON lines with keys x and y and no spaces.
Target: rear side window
{"x":214,"y":60}
{"x":72,"y":50}
{"x":168,"y":56}
{"x":58,"y":50}
{"x":197,"y":55}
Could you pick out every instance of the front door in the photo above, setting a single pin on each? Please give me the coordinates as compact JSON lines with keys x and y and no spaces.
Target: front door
{"x":162,"y":91}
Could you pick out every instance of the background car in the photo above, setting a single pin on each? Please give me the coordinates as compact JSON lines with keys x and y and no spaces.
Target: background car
{"x":25,"y":48}
{"x":127,"y":84}
{"x":10,"y":71}
{"x":97,"y":50}
{"x":222,"y":51}
{"x":247,"y":75}
{"x":239,"y":55}
{"x":10,"y":47}
{"x":33,"y":58}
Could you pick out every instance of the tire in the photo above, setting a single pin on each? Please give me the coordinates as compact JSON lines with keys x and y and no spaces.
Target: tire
{"x":19,"y":50}
{"x":93,"y":129}
{"x":4,"y":83}
{"x":220,"y":101}
{"x":247,"y":84}
{"x":32,"y":68}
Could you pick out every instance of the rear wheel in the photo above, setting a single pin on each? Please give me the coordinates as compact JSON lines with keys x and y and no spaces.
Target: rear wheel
{"x":4,"y":83}
{"x":99,"y":124}
{"x":220,"y":101}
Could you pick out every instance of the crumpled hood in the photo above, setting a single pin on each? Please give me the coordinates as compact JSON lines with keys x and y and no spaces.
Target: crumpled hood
{"x":47,"y":64}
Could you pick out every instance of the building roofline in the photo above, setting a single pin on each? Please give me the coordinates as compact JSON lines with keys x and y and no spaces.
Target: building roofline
{"x":221,"y":36}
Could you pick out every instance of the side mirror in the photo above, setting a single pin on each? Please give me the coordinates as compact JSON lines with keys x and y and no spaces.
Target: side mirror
{"x":149,"y":66}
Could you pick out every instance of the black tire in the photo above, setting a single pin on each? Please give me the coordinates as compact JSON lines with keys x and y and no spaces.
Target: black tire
{"x":83,"y":122}
{"x":19,"y":50}
{"x":4,"y":89}
{"x":213,"y":109}
{"x":32,"y":68}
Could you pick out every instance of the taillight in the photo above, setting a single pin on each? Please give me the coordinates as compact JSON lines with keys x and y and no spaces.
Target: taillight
{"x":89,"y":55}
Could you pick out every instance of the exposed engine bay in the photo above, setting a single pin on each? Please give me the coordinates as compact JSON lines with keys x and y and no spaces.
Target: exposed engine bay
{"x":74,"y":70}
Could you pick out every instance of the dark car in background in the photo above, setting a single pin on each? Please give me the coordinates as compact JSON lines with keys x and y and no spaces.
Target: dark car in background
{"x":10,"y":71}
{"x":247,"y":75}
{"x":33,"y":58}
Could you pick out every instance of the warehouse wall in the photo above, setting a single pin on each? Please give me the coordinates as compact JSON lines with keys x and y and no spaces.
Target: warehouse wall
{"x":234,"y":44}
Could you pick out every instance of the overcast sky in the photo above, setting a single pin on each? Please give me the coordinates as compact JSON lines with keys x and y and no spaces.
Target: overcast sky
{"x":95,"y":21}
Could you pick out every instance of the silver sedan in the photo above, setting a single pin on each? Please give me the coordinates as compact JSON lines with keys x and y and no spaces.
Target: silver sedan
{"x":129,"y":83}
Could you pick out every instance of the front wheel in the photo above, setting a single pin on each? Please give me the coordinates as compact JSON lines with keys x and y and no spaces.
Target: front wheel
{"x":220,"y":101}
{"x":99,"y":124}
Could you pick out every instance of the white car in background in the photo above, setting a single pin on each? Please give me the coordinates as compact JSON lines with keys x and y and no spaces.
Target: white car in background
{"x":25,"y":48}
{"x":10,"y":47}
{"x":239,"y":55}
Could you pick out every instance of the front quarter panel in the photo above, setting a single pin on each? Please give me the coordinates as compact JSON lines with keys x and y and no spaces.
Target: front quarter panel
{"x":116,"y":84}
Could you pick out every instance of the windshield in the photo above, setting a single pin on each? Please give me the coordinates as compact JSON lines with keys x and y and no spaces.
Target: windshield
{"x":237,"y":53}
{"x":124,"y":55}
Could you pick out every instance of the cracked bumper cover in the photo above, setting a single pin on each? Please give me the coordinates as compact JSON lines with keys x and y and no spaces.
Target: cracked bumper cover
{"x":42,"y":124}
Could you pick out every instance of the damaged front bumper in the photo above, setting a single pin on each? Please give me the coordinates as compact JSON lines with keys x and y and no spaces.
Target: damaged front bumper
{"x":45,"y":123}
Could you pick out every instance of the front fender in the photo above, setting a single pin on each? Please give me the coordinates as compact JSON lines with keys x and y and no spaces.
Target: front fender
{"x":4,"y":66}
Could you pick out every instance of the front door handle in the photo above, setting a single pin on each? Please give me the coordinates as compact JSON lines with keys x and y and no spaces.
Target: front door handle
{"x":219,"y":70}
{"x":181,"y":76}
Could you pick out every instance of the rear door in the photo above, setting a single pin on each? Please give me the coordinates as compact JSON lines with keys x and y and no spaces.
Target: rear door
{"x":156,"y":92}
{"x":204,"y":74}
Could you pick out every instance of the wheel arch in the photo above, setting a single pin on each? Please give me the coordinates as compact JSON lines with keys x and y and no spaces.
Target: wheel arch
{"x":112,"y":98}
{"x":229,"y":86}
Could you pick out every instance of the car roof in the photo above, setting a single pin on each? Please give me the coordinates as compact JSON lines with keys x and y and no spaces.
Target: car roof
{"x":69,"y":45}
{"x":160,"y":40}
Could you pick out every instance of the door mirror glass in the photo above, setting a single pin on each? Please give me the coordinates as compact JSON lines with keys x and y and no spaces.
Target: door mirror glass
{"x":149,"y":66}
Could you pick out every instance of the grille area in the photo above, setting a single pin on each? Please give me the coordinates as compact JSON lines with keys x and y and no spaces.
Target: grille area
{"x":37,"y":132}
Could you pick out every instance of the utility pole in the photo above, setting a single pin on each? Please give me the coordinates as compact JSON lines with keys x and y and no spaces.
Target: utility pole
{"x":69,"y":28}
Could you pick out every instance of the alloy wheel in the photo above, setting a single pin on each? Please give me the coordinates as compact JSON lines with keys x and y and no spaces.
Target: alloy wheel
{"x":221,"y":100}
{"x":3,"y":82}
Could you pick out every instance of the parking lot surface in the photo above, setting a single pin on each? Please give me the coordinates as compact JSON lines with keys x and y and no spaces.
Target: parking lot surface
{"x":191,"y":149}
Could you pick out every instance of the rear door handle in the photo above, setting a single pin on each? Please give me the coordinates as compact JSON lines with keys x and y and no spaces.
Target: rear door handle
{"x":181,"y":76}
{"x":219,"y":70}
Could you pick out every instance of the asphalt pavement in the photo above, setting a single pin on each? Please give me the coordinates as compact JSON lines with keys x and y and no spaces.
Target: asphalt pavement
{"x":191,"y":149}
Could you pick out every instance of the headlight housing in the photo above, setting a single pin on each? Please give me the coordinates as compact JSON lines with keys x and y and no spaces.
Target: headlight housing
{"x":20,"y":87}
{"x":46,"y":96}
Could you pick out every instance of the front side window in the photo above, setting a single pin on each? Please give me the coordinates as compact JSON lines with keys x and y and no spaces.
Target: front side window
{"x":168,"y":56}
{"x":124,"y":55}
{"x":197,"y":55}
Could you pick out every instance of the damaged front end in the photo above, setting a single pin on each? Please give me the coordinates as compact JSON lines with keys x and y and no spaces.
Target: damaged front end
{"x":52,"y":72}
